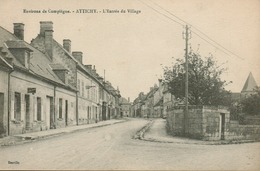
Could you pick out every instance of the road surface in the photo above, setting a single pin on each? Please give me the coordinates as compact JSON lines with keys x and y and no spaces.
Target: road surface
{"x":112,"y":147}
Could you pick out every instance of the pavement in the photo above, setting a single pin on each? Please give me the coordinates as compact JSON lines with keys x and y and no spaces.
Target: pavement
{"x":34,"y":136}
{"x":156,"y":131}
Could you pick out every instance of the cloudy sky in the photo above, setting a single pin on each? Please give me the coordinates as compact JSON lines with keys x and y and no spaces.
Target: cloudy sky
{"x":132,"y":48}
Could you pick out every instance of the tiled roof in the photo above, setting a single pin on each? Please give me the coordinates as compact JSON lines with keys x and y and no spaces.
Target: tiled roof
{"x":57,"y":67}
{"x":17,"y":44}
{"x":39,"y":63}
{"x":5,"y":63}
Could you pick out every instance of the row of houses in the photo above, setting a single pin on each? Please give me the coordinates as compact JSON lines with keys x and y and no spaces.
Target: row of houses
{"x":46,"y":86}
{"x":158,"y":100}
{"x":154,"y":103}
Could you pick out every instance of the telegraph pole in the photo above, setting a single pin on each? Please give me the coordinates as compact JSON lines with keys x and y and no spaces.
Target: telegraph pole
{"x":186,"y":112}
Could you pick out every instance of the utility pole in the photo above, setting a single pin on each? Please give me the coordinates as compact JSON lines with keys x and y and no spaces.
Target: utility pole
{"x":186,"y":112}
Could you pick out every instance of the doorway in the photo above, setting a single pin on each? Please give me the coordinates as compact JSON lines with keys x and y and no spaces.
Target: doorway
{"x":27,"y":111}
{"x":50,"y":112}
{"x":66,"y":112}
{"x":222,"y":126}
{"x":2,"y":130}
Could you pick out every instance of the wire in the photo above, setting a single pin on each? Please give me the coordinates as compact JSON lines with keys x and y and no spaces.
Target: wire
{"x":210,"y":43}
{"x":161,"y":13}
{"x":217,"y":43}
{"x":199,"y":31}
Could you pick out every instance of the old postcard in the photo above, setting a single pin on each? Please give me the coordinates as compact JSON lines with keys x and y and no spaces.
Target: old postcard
{"x":129,"y":85}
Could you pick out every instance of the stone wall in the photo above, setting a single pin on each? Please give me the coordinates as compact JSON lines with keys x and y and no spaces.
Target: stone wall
{"x":237,"y":131}
{"x":251,"y":120}
{"x":204,"y":122}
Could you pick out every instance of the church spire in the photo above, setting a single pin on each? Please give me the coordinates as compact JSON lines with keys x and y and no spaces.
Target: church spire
{"x":250,"y":84}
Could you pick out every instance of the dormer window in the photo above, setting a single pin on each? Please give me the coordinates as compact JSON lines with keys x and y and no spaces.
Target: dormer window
{"x":61,"y":72}
{"x":20,"y":51}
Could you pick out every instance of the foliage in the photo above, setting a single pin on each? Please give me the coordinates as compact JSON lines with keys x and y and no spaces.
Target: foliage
{"x":205,"y":85}
{"x":251,"y":104}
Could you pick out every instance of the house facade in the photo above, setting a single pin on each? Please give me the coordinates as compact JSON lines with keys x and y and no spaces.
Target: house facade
{"x":46,"y":86}
{"x":125,"y":107}
{"x":37,"y":99}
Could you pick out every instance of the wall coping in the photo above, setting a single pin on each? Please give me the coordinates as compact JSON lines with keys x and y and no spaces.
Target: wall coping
{"x":182,"y":107}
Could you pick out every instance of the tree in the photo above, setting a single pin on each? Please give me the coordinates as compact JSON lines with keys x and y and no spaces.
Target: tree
{"x":251,"y":104}
{"x":205,"y":85}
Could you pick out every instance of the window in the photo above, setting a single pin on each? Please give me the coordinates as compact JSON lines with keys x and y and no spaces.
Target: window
{"x":60,"y":107}
{"x":88,"y":112}
{"x":79,"y":85}
{"x":17,"y":106}
{"x":39,"y":109}
{"x":83,"y":88}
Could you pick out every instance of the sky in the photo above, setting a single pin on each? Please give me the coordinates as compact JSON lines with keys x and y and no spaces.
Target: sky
{"x":133,"y":47}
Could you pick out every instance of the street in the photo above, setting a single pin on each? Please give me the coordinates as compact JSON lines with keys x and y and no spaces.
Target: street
{"x":112,"y":147}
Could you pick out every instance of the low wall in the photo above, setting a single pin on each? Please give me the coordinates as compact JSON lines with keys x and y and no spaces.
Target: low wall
{"x":204,"y":122}
{"x":247,"y":132}
{"x":251,"y":120}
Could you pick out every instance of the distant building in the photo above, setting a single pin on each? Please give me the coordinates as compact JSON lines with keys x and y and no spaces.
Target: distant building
{"x":151,"y":104}
{"x":125,"y":107}
{"x":168,"y":100}
{"x":249,"y":86}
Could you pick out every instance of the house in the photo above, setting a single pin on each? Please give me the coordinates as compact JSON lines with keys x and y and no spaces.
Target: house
{"x":38,"y":96}
{"x":158,"y":101}
{"x":137,"y":105}
{"x":91,"y":108}
{"x":151,"y":104}
{"x":5,"y":71}
{"x":125,"y":107}
{"x":46,"y":86}
{"x":168,"y":100}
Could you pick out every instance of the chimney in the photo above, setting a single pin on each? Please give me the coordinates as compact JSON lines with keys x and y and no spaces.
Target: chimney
{"x":88,"y":67}
{"x":78,"y":56}
{"x":19,"y":30}
{"x":128,"y":99}
{"x":46,"y":30}
{"x":45,"y":25}
{"x":94,"y":69}
{"x":67,"y":45}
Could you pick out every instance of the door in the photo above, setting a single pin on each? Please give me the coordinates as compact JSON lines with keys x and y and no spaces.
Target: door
{"x":103,"y":112}
{"x":2,"y":131}
{"x":66,"y":112}
{"x":49,"y":112}
{"x":27,"y":111}
{"x":222,"y":127}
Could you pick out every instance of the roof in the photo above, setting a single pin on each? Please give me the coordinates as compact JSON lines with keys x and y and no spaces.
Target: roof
{"x":57,"y":67}
{"x":152,"y":92}
{"x":250,"y":84}
{"x":159,"y":103}
{"x":81,"y":66}
{"x":123,"y":100}
{"x":5,"y":63}
{"x":17,"y":44}
{"x":39,"y":63}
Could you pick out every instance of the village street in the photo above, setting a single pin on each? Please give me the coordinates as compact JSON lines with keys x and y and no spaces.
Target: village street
{"x":112,"y":147}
